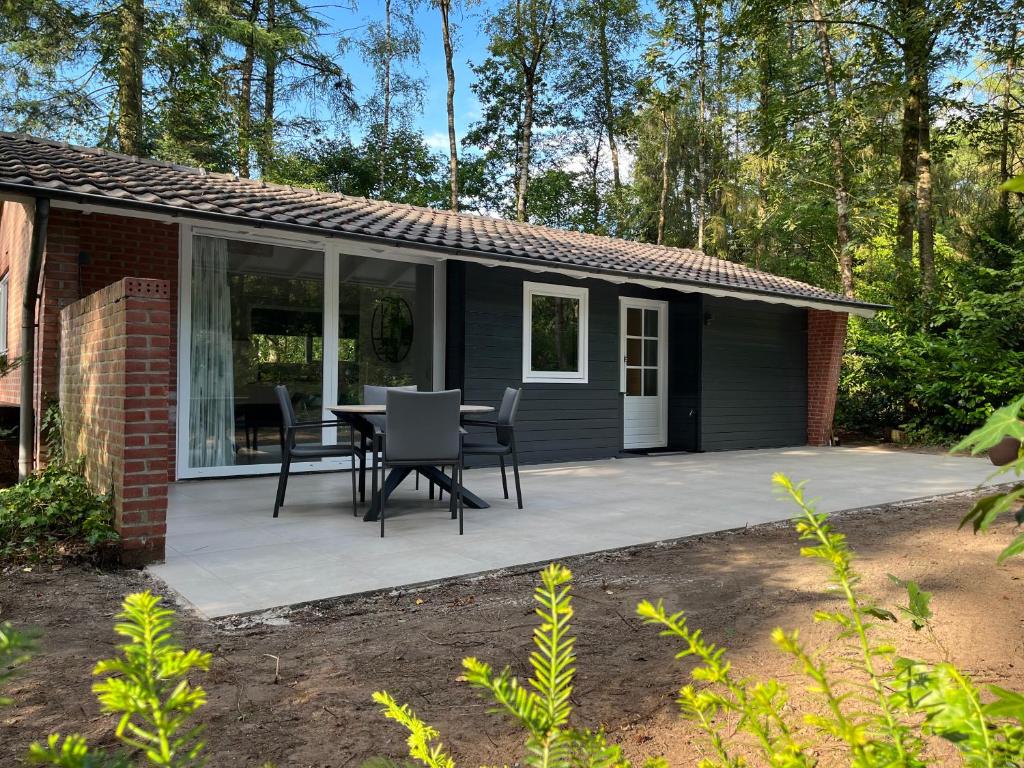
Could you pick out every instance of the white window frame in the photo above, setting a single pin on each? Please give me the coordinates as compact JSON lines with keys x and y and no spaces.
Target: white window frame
{"x":5,"y":302}
{"x":580,"y":375}
{"x":332,"y":248}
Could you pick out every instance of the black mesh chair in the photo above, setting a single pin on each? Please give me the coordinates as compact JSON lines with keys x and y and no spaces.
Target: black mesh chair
{"x":378,"y":395}
{"x":422,"y":430}
{"x":292,"y":449}
{"x":504,"y":443}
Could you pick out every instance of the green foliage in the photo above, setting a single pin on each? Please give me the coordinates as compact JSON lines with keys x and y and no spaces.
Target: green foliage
{"x":51,"y":427}
{"x":878,"y":709}
{"x":1006,"y":422}
{"x":541,"y":706}
{"x":54,"y":512}
{"x":937,"y":373}
{"x":15,"y":649}
{"x":147,"y":686}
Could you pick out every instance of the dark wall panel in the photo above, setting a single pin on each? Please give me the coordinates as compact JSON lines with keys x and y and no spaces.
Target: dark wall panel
{"x":557,"y":422}
{"x":754,"y":371}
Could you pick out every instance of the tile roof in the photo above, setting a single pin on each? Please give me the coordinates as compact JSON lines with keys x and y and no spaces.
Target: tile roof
{"x":36,"y":166}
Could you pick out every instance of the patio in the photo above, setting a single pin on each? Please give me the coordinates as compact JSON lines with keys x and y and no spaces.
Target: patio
{"x":227,"y":555}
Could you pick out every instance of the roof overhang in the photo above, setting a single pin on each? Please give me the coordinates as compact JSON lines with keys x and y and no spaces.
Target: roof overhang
{"x":89,"y":203}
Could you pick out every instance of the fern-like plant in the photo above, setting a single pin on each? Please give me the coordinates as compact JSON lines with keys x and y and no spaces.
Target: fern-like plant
{"x":541,"y":705}
{"x":148,"y":687}
{"x":15,"y":649}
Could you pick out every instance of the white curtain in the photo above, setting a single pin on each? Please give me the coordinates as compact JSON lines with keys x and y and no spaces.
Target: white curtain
{"x":212,"y":382}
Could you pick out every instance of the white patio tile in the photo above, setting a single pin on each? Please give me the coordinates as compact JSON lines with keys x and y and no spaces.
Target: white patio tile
{"x":227,"y":554}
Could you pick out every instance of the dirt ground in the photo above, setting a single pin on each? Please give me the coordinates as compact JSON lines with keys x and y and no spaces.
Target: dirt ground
{"x":332,"y":656}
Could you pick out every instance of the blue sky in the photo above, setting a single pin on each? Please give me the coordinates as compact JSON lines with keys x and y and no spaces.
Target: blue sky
{"x":470,"y":45}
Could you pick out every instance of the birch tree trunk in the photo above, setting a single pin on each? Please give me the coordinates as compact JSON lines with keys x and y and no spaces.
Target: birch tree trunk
{"x":386,"y":119}
{"x":523,"y":174}
{"x":609,"y":99}
{"x":842,"y":193}
{"x":925,"y":220}
{"x":445,"y":7}
{"x":663,"y":198}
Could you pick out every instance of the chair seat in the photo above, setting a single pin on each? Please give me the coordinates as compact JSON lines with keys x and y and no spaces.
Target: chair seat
{"x":490,"y":449}
{"x":318,"y":451}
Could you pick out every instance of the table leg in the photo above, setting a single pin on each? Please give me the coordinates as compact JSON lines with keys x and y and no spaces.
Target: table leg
{"x":398,"y":474}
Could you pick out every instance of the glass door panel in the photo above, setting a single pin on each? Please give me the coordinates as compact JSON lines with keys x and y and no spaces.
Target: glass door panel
{"x":256,"y":322}
{"x":385,"y":325}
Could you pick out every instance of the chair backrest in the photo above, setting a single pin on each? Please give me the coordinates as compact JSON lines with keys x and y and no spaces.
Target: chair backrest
{"x":376,"y":395}
{"x":423,"y":426}
{"x":288,"y":419}
{"x":507,"y":414}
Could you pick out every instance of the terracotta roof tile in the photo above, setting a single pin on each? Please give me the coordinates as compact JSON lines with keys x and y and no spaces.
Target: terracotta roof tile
{"x":94,"y":175}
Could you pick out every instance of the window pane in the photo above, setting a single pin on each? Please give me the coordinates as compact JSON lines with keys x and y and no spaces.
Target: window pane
{"x":651,"y":352}
{"x":633,"y":379}
{"x":554,"y":340}
{"x":650,"y":382}
{"x":634,"y":321}
{"x":385,"y":325}
{"x":633,"y":348}
{"x":651,"y":322}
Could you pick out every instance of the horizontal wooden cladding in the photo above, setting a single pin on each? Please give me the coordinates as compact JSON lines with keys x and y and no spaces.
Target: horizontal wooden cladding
{"x":557,"y":422}
{"x":754,"y":367}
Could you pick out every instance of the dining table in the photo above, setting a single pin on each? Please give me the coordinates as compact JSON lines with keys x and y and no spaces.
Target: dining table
{"x":357,"y":415}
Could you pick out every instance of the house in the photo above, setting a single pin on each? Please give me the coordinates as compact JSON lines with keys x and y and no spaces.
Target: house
{"x":171,"y":301}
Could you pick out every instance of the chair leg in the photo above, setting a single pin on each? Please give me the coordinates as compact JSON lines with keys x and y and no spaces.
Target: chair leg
{"x":382,"y":499}
{"x":430,"y":491}
{"x":362,"y":467}
{"x":452,"y":500}
{"x":504,"y":480}
{"x":440,"y":490}
{"x":515,"y":470}
{"x":417,"y":486}
{"x":458,"y":489}
{"x":355,"y":503}
{"x":282,"y":482}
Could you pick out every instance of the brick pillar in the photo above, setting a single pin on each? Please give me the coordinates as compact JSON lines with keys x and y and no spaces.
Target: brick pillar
{"x":826,"y":336}
{"x":115,"y":367}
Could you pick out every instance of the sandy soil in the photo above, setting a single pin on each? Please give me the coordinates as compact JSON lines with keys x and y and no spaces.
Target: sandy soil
{"x":332,"y":656}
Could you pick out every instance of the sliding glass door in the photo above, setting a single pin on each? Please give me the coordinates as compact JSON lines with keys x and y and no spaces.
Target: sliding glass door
{"x":258,"y":313}
{"x":256,"y":321}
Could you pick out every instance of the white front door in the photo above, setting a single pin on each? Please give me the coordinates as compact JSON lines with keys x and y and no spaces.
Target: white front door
{"x":643,"y":329}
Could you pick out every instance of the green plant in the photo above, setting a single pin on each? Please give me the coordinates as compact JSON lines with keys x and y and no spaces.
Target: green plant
{"x":148,"y":687}
{"x":51,"y":427}
{"x":877,"y":708}
{"x":54,"y":511}
{"x":541,"y":706}
{"x":1005,"y":422}
{"x":15,"y":649}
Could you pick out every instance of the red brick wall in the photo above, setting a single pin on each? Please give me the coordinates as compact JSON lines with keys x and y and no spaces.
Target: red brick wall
{"x":15,"y":243}
{"x":826,"y":336}
{"x":113,"y":391}
{"x":84,"y":253}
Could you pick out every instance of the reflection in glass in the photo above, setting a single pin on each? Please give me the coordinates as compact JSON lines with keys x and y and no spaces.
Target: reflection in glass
{"x":633,"y":382}
{"x":555,"y":333}
{"x":385,"y":325}
{"x":257,"y":321}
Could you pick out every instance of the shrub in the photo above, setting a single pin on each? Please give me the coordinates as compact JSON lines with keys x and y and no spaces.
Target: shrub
{"x":147,"y":687}
{"x":1005,"y":422}
{"x":54,"y":512}
{"x":879,"y":709}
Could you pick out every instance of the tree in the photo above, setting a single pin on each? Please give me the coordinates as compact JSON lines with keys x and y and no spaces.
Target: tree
{"x":445,"y":8}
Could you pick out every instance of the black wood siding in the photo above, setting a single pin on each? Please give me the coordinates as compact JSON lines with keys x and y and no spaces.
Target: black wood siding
{"x":557,"y":422}
{"x":739,"y":382}
{"x":754,"y":371}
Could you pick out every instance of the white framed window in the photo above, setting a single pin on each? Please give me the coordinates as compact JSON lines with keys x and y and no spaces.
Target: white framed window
{"x":556,"y":319}
{"x":4,"y":286}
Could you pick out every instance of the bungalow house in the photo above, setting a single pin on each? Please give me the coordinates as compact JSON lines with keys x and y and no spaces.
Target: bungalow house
{"x":161,"y":304}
